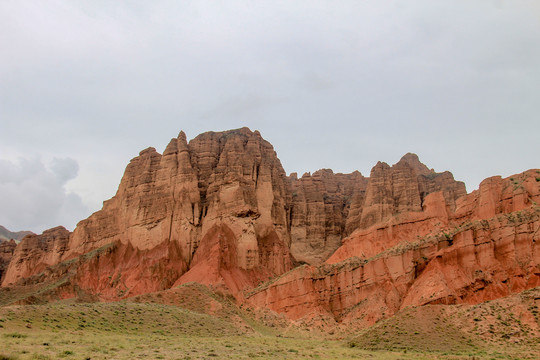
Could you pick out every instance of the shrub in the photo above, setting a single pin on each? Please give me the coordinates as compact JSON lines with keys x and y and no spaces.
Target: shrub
{"x":7,"y":357}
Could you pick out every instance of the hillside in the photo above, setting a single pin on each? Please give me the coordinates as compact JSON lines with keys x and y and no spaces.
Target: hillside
{"x":7,"y":235}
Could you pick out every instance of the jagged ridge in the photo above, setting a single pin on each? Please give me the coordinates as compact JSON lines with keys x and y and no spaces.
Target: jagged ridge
{"x":221,"y":211}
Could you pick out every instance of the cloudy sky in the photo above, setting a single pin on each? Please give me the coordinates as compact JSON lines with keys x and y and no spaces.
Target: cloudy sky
{"x":85,"y":85}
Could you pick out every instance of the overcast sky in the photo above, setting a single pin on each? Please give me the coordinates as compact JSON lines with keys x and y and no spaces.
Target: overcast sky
{"x":86,"y":85}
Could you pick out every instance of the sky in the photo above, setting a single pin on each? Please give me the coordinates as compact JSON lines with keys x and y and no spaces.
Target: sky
{"x":86,"y":85}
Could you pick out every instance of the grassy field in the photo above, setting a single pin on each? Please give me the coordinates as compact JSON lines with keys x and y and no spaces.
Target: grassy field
{"x":127,"y":330}
{"x":153,"y":331}
{"x":192,"y":322}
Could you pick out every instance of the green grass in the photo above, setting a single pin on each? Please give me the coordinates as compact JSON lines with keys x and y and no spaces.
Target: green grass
{"x":15,"y":335}
{"x":130,"y":330}
{"x":7,"y":357}
{"x":126,"y":330}
{"x":484,"y":331}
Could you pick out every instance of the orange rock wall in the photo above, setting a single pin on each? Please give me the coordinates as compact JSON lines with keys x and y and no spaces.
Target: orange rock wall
{"x":6,"y":253}
{"x":35,"y":253}
{"x":319,"y":211}
{"x":487,"y":248}
{"x":230,"y":180}
{"x":220,"y":210}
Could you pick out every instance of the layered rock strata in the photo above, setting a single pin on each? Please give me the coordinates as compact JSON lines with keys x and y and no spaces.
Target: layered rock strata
{"x":35,"y":253}
{"x":220,"y":211}
{"x":485,"y":249}
{"x":399,"y":189}
{"x":231,"y":181}
{"x":6,"y":253}
{"x":319,"y":211}
{"x":326,"y":207}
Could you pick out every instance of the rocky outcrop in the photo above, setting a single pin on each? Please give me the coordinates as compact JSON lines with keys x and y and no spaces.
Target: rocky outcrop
{"x":226,"y":193}
{"x":219,"y":210}
{"x":485,"y":249}
{"x":500,"y":196}
{"x":120,"y":270}
{"x":35,"y":253}
{"x":108,"y":273}
{"x":320,"y":208}
{"x":232,"y":181}
{"x":405,"y":227}
{"x":6,"y":253}
{"x":327,"y":207}
{"x":399,"y":189}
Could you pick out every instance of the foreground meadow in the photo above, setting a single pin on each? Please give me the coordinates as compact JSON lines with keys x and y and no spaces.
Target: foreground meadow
{"x":128,"y":330}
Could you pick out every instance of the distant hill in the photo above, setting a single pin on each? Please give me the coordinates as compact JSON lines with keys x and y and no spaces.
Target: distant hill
{"x":5,"y":234}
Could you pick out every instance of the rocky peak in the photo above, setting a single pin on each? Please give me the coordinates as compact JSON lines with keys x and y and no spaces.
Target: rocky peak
{"x":414,"y":163}
{"x":182,"y":136}
{"x":220,"y":210}
{"x":220,"y":185}
{"x":400,"y":188}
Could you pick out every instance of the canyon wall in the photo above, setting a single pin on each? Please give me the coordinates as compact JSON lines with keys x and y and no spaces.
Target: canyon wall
{"x":220,"y":210}
{"x":231,"y":181}
{"x":7,"y":248}
{"x":486,"y":248}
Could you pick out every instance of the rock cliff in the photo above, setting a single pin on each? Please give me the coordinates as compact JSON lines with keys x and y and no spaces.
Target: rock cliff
{"x":6,"y":253}
{"x":225,"y":189}
{"x":35,"y":253}
{"x":484,"y":249}
{"x":398,"y":189}
{"x":320,"y":208}
{"x":219,"y":210}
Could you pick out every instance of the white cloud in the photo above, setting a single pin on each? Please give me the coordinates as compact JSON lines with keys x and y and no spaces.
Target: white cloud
{"x":34,"y":196}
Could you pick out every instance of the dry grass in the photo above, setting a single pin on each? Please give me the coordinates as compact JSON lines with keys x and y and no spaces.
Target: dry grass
{"x":149,"y":331}
{"x":192,"y":322}
{"x":507,"y":328}
{"x":126,"y":330}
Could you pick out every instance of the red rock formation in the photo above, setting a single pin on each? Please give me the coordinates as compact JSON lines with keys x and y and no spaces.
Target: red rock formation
{"x":500,"y":196}
{"x":485,"y":250}
{"x":111,"y":272}
{"x":36,"y":252}
{"x":121,"y":270}
{"x":398,"y":189}
{"x":220,"y":211}
{"x":6,"y":253}
{"x":230,"y":180}
{"x":366,"y":243}
{"x":327,"y":206}
{"x":320,"y":207}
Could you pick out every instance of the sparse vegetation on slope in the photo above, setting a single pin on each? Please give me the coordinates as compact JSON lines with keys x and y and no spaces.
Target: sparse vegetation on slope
{"x":506,"y":328}
{"x":126,"y":330}
{"x":192,"y":322}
